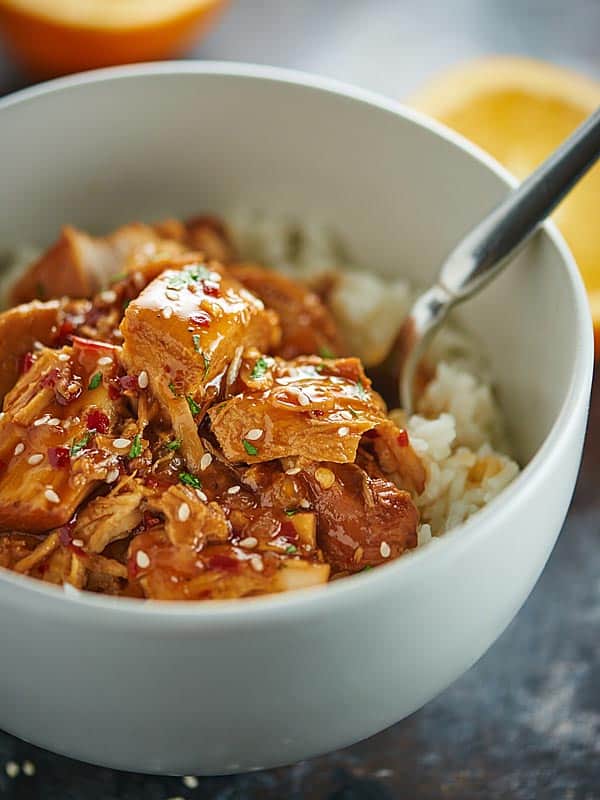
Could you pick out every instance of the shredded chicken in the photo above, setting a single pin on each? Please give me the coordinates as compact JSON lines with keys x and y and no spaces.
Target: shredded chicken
{"x":181,"y":426}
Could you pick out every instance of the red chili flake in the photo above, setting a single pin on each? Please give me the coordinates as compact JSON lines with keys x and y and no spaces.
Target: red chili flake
{"x":26,"y":363}
{"x":226,"y":563}
{"x":317,"y":412}
{"x":372,"y":434}
{"x":402,"y":438}
{"x":98,"y":421}
{"x":51,"y":377}
{"x":151,"y":520}
{"x":114,"y":389}
{"x":202,"y":319}
{"x":211,"y":289}
{"x":59,"y":457}
{"x":64,"y":535}
{"x":128,"y":382}
{"x":132,"y":567}
{"x":63,"y":335}
{"x":288,"y":532}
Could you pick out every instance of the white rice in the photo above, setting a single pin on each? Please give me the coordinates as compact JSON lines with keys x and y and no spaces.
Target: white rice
{"x":458,"y":431}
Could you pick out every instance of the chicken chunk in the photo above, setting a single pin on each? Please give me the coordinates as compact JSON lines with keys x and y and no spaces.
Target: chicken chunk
{"x":55,"y":436}
{"x":206,"y":233}
{"x":363,"y":520}
{"x":186,"y":330}
{"x":307,"y":327}
{"x":21,"y":328}
{"x":78,"y":265}
{"x":309,"y":407}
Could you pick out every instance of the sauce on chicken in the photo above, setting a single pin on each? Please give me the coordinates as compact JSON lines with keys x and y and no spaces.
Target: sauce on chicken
{"x":178,"y":425}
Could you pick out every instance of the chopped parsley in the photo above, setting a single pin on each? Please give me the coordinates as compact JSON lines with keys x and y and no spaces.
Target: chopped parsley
{"x":259,"y":369}
{"x":191,"y":274}
{"x":95,"y":381}
{"x":196,"y":341}
{"x":291,"y":549}
{"x":174,"y":445}
{"x":126,"y":304}
{"x":361,"y":390}
{"x":289,"y":512}
{"x":189,"y":480}
{"x":120,"y":276}
{"x":249,"y":448}
{"x":353,"y":412}
{"x":325,"y":352}
{"x":366,"y":568}
{"x":80,"y":444}
{"x":136,"y":447}
{"x":206,"y":360}
{"x":194,"y":407}
{"x":172,"y":388}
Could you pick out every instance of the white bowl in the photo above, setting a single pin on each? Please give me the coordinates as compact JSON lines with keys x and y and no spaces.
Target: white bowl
{"x":222,"y":687}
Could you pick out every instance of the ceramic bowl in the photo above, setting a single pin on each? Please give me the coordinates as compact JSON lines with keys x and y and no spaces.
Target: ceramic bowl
{"x":221,"y":687}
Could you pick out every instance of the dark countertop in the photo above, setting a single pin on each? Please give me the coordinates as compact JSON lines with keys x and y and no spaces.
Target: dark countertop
{"x":523,"y":723}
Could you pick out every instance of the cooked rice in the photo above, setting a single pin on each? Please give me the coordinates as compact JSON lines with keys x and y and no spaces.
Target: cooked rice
{"x":458,"y":430}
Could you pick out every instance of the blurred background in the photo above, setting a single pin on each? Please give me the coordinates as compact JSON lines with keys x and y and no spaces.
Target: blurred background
{"x":525,"y":721}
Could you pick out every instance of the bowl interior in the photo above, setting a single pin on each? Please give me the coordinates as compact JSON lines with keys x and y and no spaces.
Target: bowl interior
{"x":176,"y":139}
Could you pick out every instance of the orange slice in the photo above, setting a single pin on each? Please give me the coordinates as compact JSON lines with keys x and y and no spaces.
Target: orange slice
{"x":519,"y":110}
{"x":55,"y":37}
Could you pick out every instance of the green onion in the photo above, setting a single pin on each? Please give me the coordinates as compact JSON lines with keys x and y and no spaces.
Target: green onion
{"x":291,"y":549}
{"x":291,"y":511}
{"x":80,"y":444}
{"x":196,"y":341}
{"x":136,"y":447}
{"x":174,"y":445}
{"x":173,"y":389}
{"x":206,"y":364}
{"x":194,"y":407}
{"x":325,"y":352}
{"x":259,"y":369}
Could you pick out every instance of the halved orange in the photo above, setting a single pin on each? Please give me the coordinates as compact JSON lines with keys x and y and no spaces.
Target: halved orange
{"x":55,"y":37}
{"x":519,"y":110}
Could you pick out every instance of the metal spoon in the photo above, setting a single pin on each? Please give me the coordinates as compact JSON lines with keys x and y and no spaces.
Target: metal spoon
{"x":487,"y":249}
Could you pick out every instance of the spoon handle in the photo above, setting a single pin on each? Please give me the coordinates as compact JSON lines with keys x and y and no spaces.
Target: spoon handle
{"x":488,"y":247}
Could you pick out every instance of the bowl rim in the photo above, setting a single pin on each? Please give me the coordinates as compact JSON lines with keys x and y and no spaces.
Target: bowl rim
{"x":214,"y":613}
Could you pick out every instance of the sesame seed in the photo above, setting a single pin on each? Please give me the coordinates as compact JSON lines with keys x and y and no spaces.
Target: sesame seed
{"x":249,"y":542}
{"x":303,"y":399}
{"x":292,"y":471}
{"x":183,"y":512}
{"x":104,"y":361}
{"x":257,"y":564}
{"x":117,"y":333}
{"x":254,"y":434}
{"x":167,"y":312}
{"x":42,"y":420}
{"x":112,"y":475}
{"x":78,"y":542}
{"x":108,"y":296}
{"x":12,"y":769}
{"x":385,"y":550}
{"x":63,"y":357}
{"x":138,"y":279}
{"x":38,"y":345}
{"x":51,"y":496}
{"x":54,"y":421}
{"x":34,"y":459}
{"x":191,"y":781}
{"x":202,"y":496}
{"x":233,"y":489}
{"x":143,"y":379}
{"x":325,"y":477}
{"x":345,"y":415}
{"x":343,"y":431}
{"x":171,"y":294}
{"x":3,"y":414}
{"x":28,"y":768}
{"x":142,"y":559}
{"x":19,"y":449}
{"x":121,"y":444}
{"x":304,"y":503}
{"x":205,"y":461}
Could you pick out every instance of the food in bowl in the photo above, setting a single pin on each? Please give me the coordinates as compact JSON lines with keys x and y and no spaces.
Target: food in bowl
{"x":183,"y":422}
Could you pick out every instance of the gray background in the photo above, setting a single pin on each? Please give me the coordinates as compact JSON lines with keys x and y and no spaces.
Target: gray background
{"x":524,"y":723}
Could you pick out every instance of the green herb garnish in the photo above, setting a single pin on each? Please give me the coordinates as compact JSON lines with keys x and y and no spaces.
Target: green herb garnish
{"x":361,"y":390}
{"x":95,"y":381}
{"x":189,"y":480}
{"x":249,"y":448}
{"x":366,"y":568}
{"x":196,"y":341}
{"x":136,"y":447}
{"x":206,"y":360}
{"x":289,"y":512}
{"x":259,"y":369}
{"x":194,"y":407}
{"x":174,"y":445}
{"x":173,"y":389}
{"x":80,"y":444}
{"x":126,"y":304}
{"x":325,"y":352}
{"x":191,"y":274}
{"x":120,"y":276}
{"x":291,"y":549}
